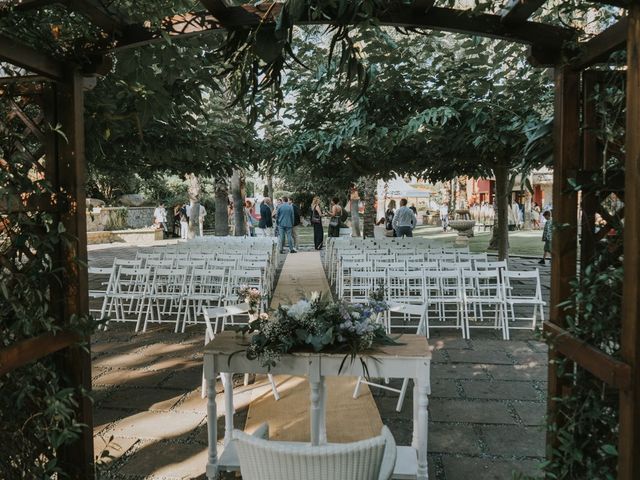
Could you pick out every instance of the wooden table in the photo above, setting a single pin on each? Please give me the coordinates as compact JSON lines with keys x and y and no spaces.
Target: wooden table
{"x":412,"y":359}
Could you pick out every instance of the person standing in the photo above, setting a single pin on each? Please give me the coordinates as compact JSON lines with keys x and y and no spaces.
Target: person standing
{"x":285,"y":220}
{"x":184,"y":222}
{"x":546,"y":236}
{"x":266,"y":220}
{"x":444,"y":216}
{"x":250,"y":218}
{"x":388,"y":219}
{"x":414,"y":209}
{"x":202,"y":213}
{"x":160,"y":218}
{"x":297,"y":221}
{"x":404,"y":221}
{"x":334,"y":221}
{"x":316,"y":221}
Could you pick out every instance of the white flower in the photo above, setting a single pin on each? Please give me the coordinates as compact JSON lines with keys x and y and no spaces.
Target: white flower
{"x":299,"y":310}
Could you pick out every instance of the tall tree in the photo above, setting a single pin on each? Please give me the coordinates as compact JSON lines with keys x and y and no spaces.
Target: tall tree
{"x":221,"y":196}
{"x":238,"y":195}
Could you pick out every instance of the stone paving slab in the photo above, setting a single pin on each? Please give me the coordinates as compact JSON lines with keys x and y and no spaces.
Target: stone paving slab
{"x":531,"y":413}
{"x":514,"y":440}
{"x":468,"y":411}
{"x":469,"y":468}
{"x":499,"y":389}
{"x":451,"y":437}
{"x":157,"y":425}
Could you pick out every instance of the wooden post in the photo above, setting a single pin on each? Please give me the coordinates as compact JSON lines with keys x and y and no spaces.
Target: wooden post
{"x":75,"y":363}
{"x":629,"y":440}
{"x":565,"y":208}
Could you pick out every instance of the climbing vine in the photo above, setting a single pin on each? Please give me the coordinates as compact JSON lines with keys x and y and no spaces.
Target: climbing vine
{"x":37,"y":403}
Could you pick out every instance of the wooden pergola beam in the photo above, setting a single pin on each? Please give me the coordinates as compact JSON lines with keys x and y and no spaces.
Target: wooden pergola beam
{"x":30,"y":59}
{"x":97,"y":13}
{"x":518,"y":11}
{"x":601,"y":46}
{"x":435,"y":18}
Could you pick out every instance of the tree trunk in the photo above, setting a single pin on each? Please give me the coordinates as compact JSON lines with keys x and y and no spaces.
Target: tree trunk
{"x":193,"y":191}
{"x":500,"y":236}
{"x":369,"y":187}
{"x":221,"y":194}
{"x":452,"y":198}
{"x":270,"y":187}
{"x":355,"y":218}
{"x":237,"y":192}
{"x":527,"y":210}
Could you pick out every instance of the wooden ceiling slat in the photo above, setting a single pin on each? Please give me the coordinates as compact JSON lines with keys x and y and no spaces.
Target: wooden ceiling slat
{"x":99,"y":16}
{"x":518,"y":11}
{"x":26,"y":57}
{"x":600,"y":47}
{"x":436,"y":18}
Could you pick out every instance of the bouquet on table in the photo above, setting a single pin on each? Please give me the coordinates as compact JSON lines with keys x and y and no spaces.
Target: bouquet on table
{"x":251,"y":296}
{"x":318,"y":324}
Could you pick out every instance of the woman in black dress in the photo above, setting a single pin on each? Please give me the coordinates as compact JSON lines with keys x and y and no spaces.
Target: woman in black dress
{"x":316,"y":221}
{"x":334,"y":221}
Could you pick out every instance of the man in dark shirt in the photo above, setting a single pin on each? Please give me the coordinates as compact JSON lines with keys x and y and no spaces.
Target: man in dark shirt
{"x":266,"y":220}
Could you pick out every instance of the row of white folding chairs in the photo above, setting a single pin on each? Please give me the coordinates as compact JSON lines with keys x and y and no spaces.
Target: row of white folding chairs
{"x":407,"y":257}
{"x":151,"y":294}
{"x":336,"y":244}
{"x":403,"y":254}
{"x":241,"y":260}
{"x":465,"y":293}
{"x":344,"y":267}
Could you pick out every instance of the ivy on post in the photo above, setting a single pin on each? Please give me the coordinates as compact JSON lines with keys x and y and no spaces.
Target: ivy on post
{"x":564,"y":251}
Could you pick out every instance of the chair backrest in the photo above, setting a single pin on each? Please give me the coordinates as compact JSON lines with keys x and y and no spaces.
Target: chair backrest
{"x":533,"y":277}
{"x":484,"y":284}
{"x":497,"y":264}
{"x":271,"y":460}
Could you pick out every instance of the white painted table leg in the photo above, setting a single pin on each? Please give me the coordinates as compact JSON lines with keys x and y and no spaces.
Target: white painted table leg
{"x":423,"y":424}
{"x":227,"y":382}
{"x":212,"y":431}
{"x":414,"y":433}
{"x":316,"y":412}
{"x":323,"y":412}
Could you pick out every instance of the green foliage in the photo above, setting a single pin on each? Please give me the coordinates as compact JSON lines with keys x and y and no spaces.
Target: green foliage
{"x":117,"y":219}
{"x":36,"y":406}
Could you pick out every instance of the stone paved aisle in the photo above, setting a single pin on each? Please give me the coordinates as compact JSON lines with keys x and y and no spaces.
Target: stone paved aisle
{"x":486,"y":409}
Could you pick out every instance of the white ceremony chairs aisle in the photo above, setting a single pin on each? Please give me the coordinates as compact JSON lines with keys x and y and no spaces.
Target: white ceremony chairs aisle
{"x":175,"y":282}
{"x":458,"y":290}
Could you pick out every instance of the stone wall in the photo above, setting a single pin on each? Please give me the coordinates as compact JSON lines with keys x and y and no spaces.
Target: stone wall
{"x":104,"y":218}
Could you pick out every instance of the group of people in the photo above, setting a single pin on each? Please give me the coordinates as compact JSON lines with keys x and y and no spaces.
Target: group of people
{"x":284,"y":218}
{"x":400,"y":222}
{"x":181,"y":217}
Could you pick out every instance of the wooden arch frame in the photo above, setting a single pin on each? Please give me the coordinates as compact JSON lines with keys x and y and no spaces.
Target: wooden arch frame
{"x":570,"y":157}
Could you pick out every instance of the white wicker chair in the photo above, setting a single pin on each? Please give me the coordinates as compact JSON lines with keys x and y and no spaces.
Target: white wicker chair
{"x":371,"y":459}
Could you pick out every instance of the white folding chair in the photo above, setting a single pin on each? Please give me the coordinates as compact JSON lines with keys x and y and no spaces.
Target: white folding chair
{"x":128,"y":292}
{"x":444,"y":300}
{"x":167,"y":294}
{"x":523,"y":289}
{"x":484,"y":296}
{"x":105,"y":276}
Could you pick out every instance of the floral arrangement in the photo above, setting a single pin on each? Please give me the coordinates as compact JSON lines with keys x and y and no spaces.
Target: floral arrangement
{"x":252,"y":296}
{"x":317,"y":324}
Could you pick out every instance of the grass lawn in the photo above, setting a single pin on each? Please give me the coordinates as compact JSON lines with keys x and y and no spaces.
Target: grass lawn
{"x":520,"y":242}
